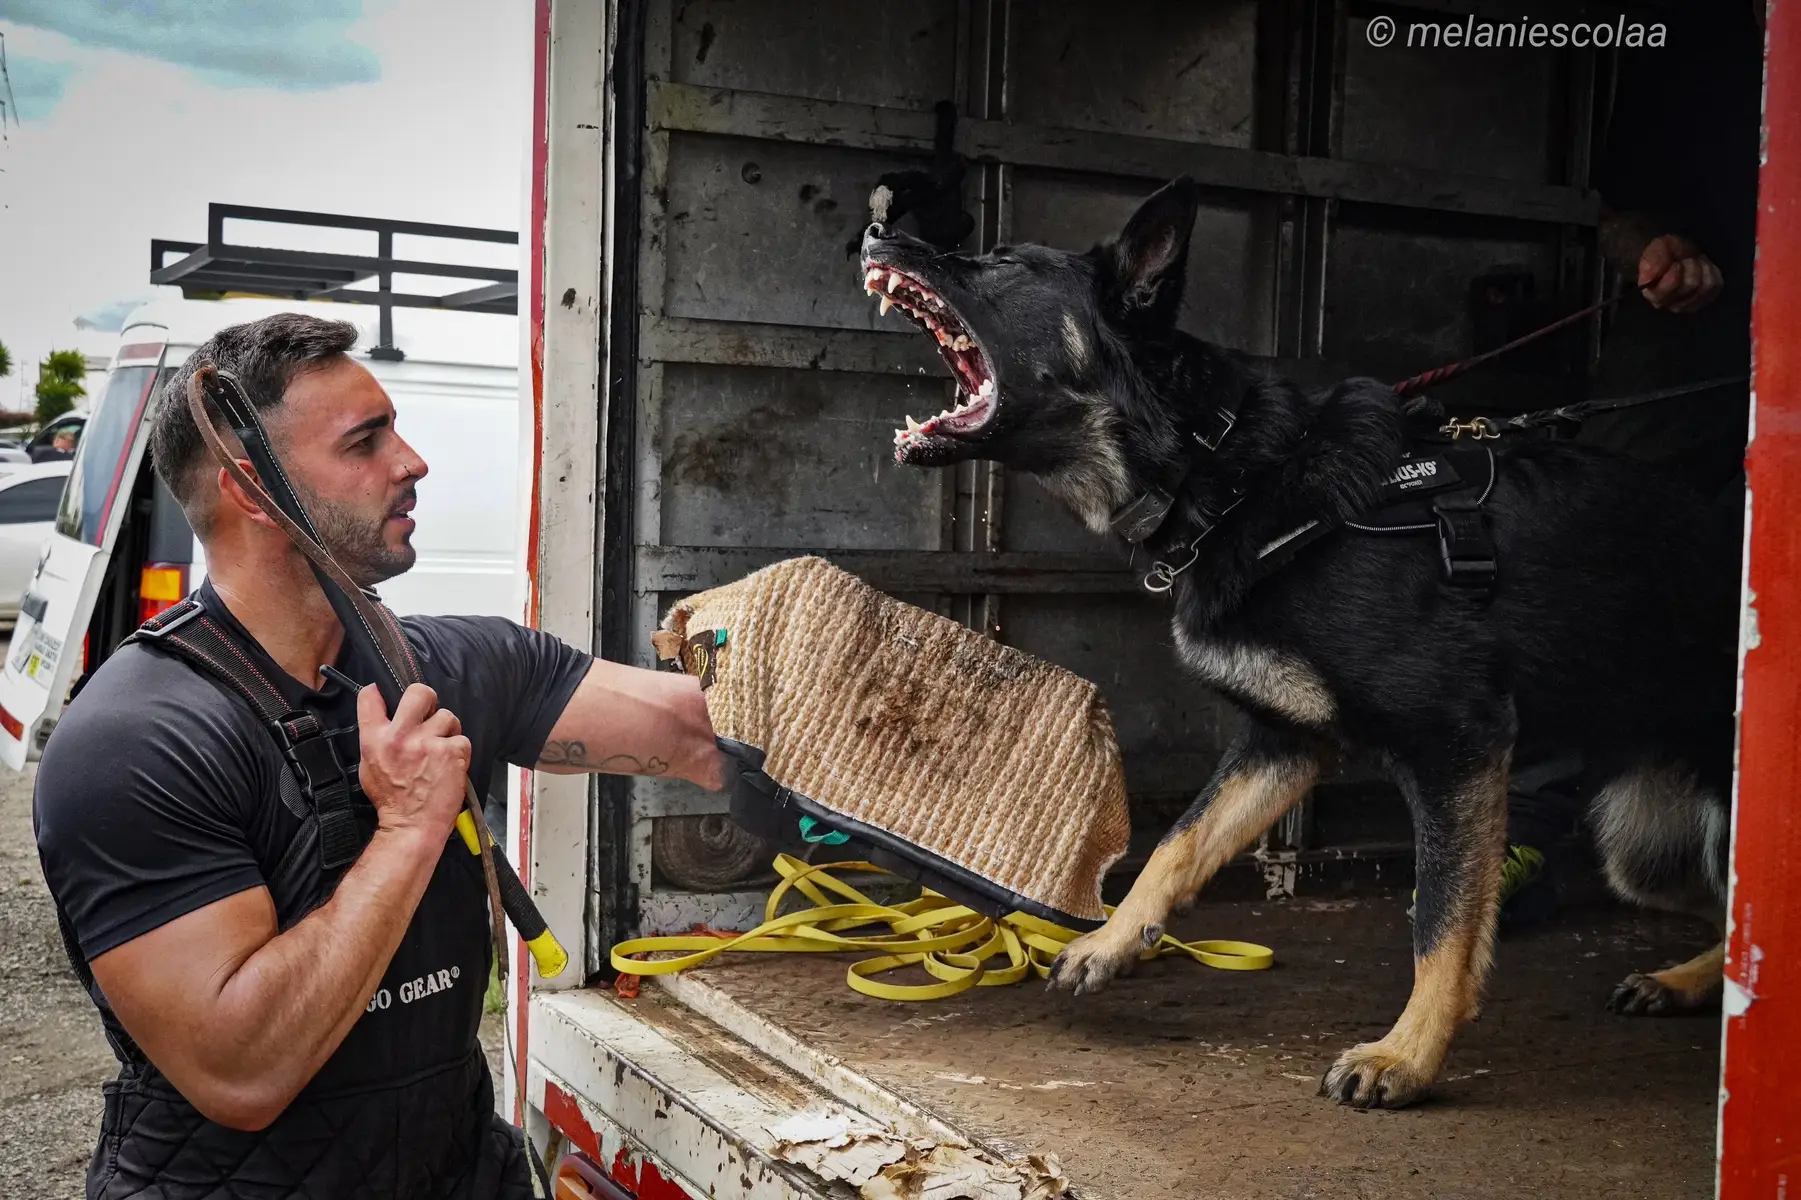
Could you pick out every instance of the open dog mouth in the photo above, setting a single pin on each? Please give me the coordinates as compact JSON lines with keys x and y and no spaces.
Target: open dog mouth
{"x":978,"y":400}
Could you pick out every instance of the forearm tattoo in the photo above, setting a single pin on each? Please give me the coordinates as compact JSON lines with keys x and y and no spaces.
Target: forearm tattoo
{"x":575,"y":754}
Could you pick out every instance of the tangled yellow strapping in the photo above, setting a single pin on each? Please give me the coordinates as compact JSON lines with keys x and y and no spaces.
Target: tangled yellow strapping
{"x":952,"y":942}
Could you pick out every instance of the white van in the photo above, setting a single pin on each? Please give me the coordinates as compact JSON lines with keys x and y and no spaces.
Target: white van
{"x":122,"y":551}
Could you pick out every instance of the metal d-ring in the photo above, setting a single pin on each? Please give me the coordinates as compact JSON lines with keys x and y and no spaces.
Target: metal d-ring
{"x":1162,"y":576}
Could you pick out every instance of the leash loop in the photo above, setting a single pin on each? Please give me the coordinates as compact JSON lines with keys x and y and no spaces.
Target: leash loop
{"x":957,"y":946}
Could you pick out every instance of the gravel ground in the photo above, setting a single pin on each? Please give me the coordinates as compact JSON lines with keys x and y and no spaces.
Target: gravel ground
{"x":53,"y":1057}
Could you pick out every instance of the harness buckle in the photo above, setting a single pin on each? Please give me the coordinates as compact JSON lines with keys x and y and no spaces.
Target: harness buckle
{"x":1226,"y":419}
{"x":1466,"y":552}
{"x":327,"y":787}
{"x":189,"y":609}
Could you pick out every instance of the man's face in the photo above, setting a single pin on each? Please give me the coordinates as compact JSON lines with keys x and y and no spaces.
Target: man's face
{"x":64,"y":440}
{"x":334,"y":431}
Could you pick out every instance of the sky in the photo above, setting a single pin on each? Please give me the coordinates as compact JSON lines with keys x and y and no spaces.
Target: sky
{"x":127,"y":117}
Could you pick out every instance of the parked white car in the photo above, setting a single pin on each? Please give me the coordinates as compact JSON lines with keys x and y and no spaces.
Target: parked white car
{"x":29,"y":496}
{"x":120,"y":550}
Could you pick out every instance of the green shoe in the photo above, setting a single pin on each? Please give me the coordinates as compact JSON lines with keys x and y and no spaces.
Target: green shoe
{"x":1521,"y":867}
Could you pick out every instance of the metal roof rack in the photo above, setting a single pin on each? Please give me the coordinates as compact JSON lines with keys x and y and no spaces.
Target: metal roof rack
{"x":213,"y":268}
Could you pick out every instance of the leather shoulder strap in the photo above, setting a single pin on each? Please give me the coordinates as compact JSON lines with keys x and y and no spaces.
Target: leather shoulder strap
{"x":188,"y":632}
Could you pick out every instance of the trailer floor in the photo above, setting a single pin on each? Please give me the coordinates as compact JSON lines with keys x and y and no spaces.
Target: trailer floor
{"x":1182,"y":1081}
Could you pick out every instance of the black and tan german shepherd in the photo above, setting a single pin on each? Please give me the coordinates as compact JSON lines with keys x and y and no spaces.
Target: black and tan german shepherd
{"x":1609,"y":630}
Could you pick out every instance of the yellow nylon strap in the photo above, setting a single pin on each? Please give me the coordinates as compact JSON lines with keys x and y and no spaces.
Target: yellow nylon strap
{"x":951,"y":942}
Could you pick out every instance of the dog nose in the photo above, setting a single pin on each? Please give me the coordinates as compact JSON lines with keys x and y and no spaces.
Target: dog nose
{"x":877,"y":232}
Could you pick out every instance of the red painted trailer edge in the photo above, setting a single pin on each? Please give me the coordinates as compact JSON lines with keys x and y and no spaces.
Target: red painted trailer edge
{"x":1760,"y":1098}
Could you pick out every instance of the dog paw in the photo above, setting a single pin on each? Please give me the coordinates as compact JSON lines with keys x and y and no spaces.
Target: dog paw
{"x":1373,"y":1075}
{"x":1648,"y":996}
{"x":1095,"y":959}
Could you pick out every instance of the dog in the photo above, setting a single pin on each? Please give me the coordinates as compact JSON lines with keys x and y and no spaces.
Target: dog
{"x":1609,"y":628}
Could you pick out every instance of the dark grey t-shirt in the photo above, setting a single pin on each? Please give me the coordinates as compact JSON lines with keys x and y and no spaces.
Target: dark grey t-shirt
{"x":159,"y":791}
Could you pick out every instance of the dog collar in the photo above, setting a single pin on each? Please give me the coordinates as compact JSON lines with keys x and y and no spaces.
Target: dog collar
{"x":1144,"y":514}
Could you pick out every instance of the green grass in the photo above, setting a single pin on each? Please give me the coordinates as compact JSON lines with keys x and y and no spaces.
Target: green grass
{"x":495,"y":1001}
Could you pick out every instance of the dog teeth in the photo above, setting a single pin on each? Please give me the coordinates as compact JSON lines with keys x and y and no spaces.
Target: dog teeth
{"x":987,"y":387}
{"x":912,"y":425}
{"x":886,"y":305}
{"x":894,"y":280}
{"x":961,"y":342}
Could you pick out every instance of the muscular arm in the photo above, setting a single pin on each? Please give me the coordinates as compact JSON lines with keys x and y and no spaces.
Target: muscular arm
{"x":628,"y":721}
{"x":239,"y":1016}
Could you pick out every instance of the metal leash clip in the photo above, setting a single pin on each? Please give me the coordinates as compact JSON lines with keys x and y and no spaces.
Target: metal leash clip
{"x":1162,"y":576}
{"x":1478,"y":428}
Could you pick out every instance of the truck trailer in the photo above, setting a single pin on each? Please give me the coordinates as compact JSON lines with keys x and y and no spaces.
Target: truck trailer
{"x":713,"y":392}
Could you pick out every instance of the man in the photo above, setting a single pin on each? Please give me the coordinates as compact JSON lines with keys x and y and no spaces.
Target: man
{"x":62,"y":446}
{"x":274,"y":1041}
{"x":1679,"y":178}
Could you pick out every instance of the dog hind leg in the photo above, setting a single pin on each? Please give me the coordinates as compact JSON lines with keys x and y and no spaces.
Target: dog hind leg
{"x":1663,"y":843}
{"x":1460,"y":837}
{"x":1264,"y":773}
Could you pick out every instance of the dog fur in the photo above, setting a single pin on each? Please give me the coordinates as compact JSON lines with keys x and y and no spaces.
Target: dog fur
{"x":1609,"y":632}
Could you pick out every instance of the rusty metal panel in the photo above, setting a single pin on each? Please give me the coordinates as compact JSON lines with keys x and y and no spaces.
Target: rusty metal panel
{"x":1158,"y":68}
{"x":1489,"y":112}
{"x":766,"y":382}
{"x":1033,"y":519}
{"x":759,"y":457}
{"x":1123,"y":645}
{"x":1398,"y":295}
{"x":1227,"y":275}
{"x":759,"y":231}
{"x":894,"y":55}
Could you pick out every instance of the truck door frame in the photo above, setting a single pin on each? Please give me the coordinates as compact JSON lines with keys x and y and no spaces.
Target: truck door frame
{"x":1760,"y":1104}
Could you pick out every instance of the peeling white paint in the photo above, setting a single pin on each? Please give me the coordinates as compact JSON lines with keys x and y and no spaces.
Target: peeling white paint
{"x":884,"y":1166}
{"x":1279,"y":878}
{"x":1737,"y":1001}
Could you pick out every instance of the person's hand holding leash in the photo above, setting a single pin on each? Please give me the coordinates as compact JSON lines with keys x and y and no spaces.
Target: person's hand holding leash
{"x":1674,"y":274}
{"x":414,"y":763}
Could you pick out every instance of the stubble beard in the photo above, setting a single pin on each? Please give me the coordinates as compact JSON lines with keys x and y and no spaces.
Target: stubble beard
{"x":357,"y":542}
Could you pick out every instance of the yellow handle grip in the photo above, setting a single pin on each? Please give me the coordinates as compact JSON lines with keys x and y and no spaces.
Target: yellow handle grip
{"x":546,"y":950}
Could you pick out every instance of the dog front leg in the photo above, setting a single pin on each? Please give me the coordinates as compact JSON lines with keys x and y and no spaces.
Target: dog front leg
{"x":1460,"y":835}
{"x":1264,"y":773}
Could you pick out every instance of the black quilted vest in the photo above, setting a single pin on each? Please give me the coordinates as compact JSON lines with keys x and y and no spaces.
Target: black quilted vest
{"x":403,"y":1109}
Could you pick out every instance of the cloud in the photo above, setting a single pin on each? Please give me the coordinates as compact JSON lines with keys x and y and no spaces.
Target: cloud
{"x":293,"y":45}
{"x":36,"y":86}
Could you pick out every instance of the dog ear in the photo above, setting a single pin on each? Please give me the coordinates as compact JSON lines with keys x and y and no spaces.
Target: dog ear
{"x":1151,"y":256}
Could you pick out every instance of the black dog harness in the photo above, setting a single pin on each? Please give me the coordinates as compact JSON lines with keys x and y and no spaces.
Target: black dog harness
{"x":1433,"y":489}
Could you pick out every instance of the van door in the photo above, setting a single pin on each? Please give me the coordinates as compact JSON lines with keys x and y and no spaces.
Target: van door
{"x":49,"y":643}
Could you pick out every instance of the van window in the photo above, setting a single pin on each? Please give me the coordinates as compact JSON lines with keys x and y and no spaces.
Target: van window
{"x":33,"y":500}
{"x":96,"y":476}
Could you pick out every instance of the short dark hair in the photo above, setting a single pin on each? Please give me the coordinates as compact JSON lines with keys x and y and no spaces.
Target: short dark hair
{"x":266,"y":356}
